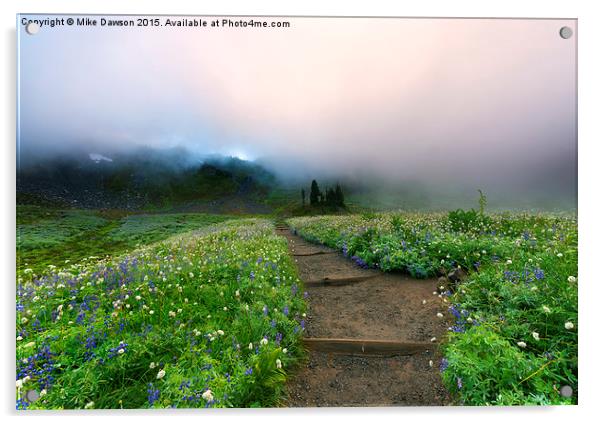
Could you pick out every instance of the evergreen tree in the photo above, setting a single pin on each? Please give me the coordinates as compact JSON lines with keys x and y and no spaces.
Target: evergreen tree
{"x":340,"y":200}
{"x":303,"y":197}
{"x":330,"y":197}
{"x":314,"y":194}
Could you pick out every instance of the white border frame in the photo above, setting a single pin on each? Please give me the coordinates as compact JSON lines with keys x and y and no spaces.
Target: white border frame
{"x":589,"y":71}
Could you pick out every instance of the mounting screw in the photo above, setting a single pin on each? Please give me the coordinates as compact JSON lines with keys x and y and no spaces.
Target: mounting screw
{"x":566,"y":32}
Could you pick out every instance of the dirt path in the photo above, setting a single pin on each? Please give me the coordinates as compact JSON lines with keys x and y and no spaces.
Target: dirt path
{"x":368,"y":334}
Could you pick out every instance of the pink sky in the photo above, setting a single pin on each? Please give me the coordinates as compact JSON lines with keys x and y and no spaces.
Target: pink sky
{"x":359,"y":91}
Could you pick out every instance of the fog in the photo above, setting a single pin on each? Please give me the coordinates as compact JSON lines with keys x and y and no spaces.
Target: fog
{"x":453,"y":105}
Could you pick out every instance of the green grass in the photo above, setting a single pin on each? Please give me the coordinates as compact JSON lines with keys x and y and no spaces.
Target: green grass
{"x":514,"y":339}
{"x":52,"y":236}
{"x":211,"y":318}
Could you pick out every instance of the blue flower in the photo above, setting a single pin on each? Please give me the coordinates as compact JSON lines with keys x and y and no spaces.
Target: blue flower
{"x":153,"y":394}
{"x":444,"y":364}
{"x":22,"y":404}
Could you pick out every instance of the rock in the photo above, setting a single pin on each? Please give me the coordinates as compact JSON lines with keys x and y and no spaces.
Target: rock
{"x":456,"y":275}
{"x":442,"y":282}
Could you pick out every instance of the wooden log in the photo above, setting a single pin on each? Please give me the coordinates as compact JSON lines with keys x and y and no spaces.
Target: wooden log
{"x":367,"y":347}
{"x":327,"y":281}
{"x":321,"y":252}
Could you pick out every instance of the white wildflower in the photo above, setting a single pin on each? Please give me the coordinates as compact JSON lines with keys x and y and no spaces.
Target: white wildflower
{"x":569,"y":325}
{"x":264,"y":341}
{"x":278,"y":363}
{"x":546,"y":309}
{"x":152,"y":365}
{"x":535,"y":335}
{"x":572,"y":279}
{"x":522,"y":344}
{"x":208,"y":395}
{"x":161,"y":374}
{"x":89,"y":405}
{"x":439,"y":315}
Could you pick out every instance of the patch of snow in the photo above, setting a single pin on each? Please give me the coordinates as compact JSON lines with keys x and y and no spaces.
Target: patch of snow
{"x":97,"y":157}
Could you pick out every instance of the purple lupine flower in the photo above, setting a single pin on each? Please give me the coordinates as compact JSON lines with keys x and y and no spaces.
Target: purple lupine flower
{"x":444,"y":364}
{"x":153,"y":394}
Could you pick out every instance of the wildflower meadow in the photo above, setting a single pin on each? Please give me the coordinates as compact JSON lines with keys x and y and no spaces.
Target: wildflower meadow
{"x":514,"y":337}
{"x":210,"y":318}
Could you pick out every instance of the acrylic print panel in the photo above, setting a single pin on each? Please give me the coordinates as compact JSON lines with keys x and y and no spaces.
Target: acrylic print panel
{"x":295,"y":211}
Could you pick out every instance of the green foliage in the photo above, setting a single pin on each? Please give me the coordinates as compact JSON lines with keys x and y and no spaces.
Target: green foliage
{"x":482,"y":352}
{"x":482,"y":202}
{"x":466,"y":221}
{"x":51,"y":236}
{"x":515,"y":336}
{"x":210,"y":318}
